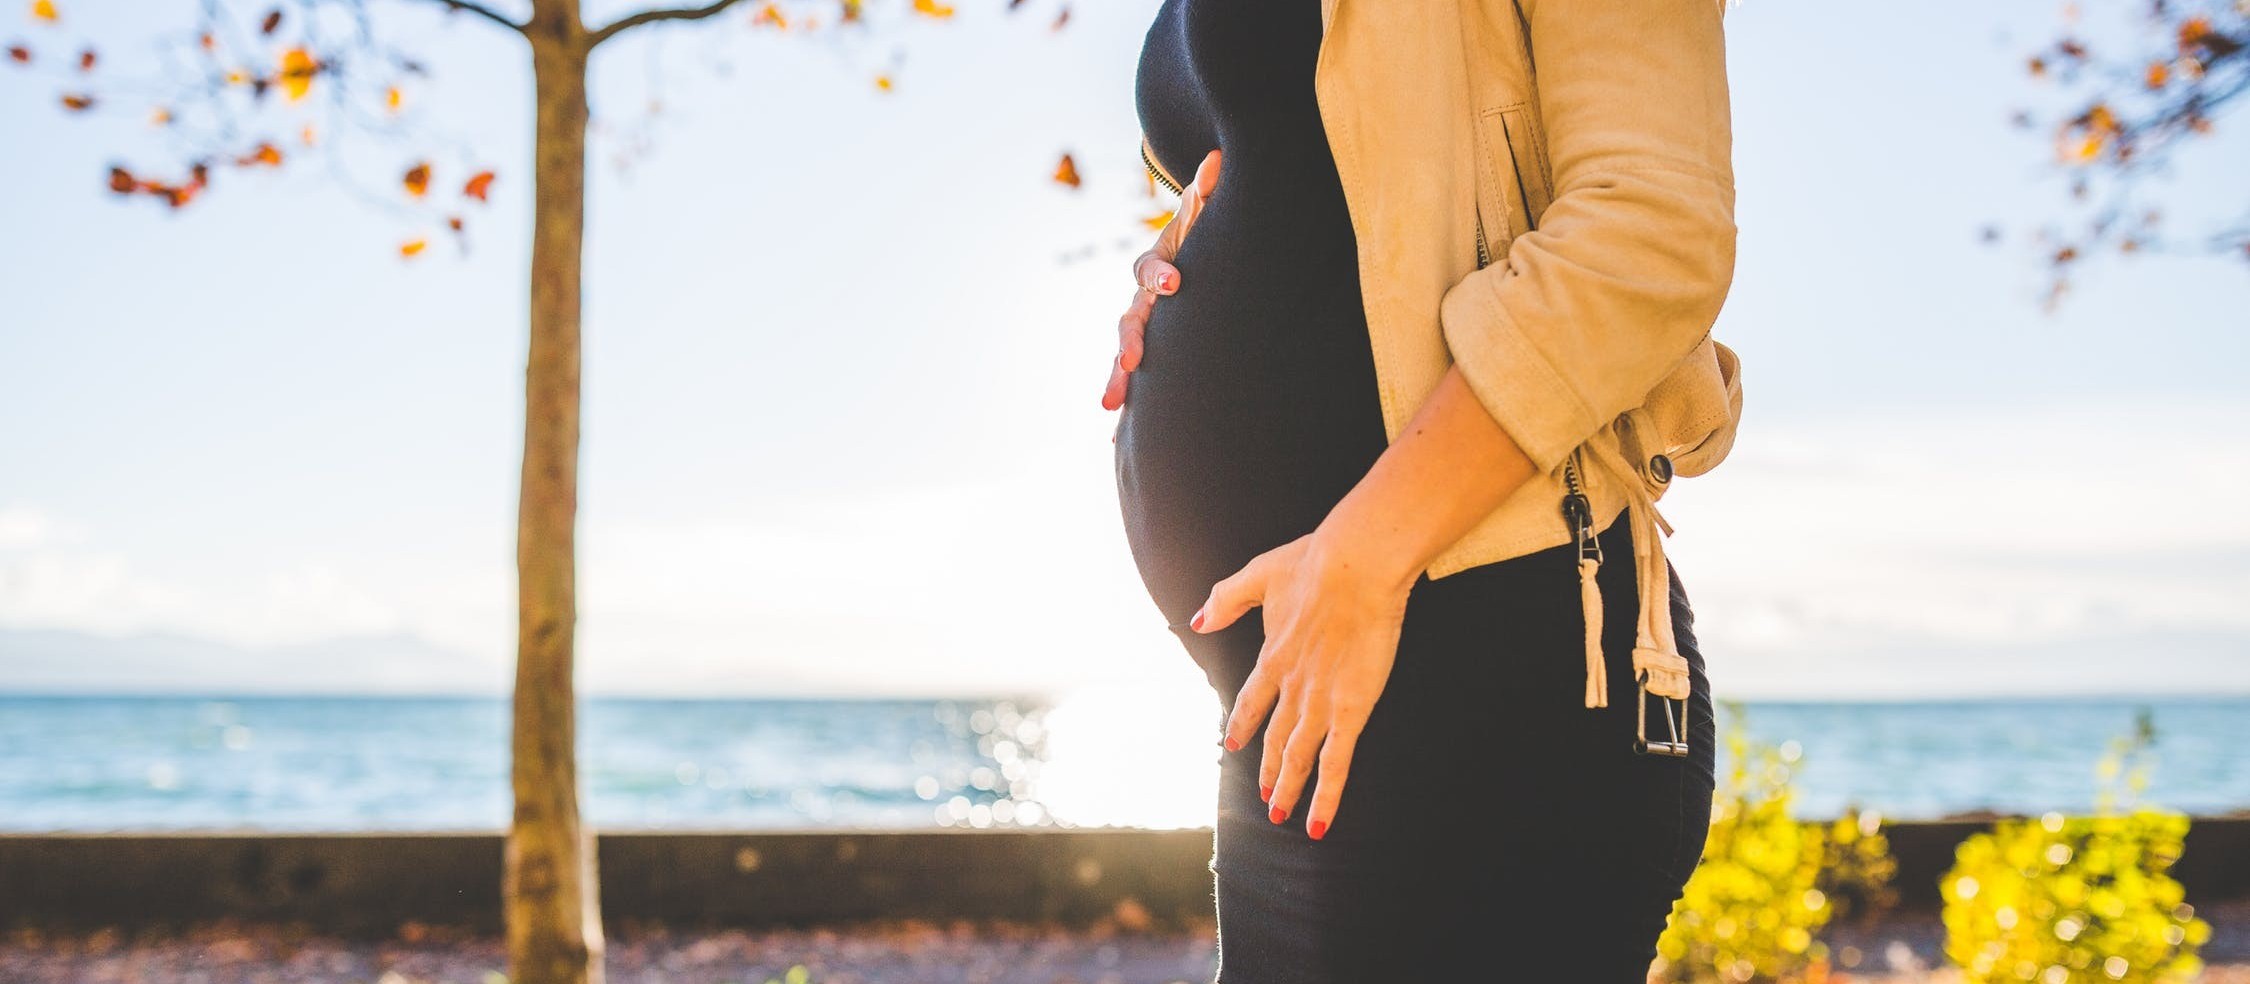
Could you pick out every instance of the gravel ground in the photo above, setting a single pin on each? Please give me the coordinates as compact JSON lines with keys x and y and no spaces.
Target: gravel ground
{"x":1896,"y":951}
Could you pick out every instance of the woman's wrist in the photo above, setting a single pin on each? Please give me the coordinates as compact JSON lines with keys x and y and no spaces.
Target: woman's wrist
{"x":1448,"y":469}
{"x":1357,"y":544}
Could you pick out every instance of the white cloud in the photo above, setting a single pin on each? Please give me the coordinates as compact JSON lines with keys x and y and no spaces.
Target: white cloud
{"x":23,"y":527}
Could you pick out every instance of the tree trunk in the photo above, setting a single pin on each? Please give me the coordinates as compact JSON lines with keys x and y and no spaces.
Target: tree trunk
{"x":552,"y":900}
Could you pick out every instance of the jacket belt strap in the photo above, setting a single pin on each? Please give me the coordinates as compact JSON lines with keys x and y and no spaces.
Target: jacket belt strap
{"x":1656,"y":657}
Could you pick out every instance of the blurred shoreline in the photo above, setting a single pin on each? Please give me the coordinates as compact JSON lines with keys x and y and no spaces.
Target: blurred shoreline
{"x":1130,"y":758}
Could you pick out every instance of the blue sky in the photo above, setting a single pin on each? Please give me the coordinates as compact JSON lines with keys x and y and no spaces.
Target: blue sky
{"x":841,"y":370}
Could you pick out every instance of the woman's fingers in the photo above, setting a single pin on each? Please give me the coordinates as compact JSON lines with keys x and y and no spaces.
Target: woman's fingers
{"x":1192,"y":200}
{"x":1297,"y":753}
{"x":1155,"y":273}
{"x":1157,"y":277}
{"x":1132,"y":329}
{"x":1282,"y":731}
{"x":1113,"y":394}
{"x":1257,"y":697}
{"x":1207,"y":175}
{"x":1132,"y":332}
{"x":1335,"y":763}
{"x":1241,"y":591}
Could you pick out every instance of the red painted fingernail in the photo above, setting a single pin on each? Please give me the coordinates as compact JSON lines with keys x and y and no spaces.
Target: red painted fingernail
{"x":1317,"y":828}
{"x":1164,"y":281}
{"x":1196,"y":623}
{"x":1265,"y":792}
{"x":1278,"y":815}
{"x":1233,"y":745}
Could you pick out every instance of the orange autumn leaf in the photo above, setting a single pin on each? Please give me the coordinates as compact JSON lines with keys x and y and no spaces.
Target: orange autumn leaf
{"x":297,"y":70}
{"x":393,"y":99}
{"x":44,"y":10}
{"x":2193,"y":31}
{"x":418,"y":180}
{"x":769,"y":15}
{"x":453,"y":222}
{"x":883,"y":82}
{"x":2084,"y":149}
{"x":77,"y":102}
{"x":2158,"y":74}
{"x":1067,"y":172}
{"x":306,"y":136}
{"x":122,"y":181}
{"x":413,"y":247}
{"x":272,"y":22}
{"x":1159,"y":220}
{"x":19,"y":54}
{"x":86,"y":60}
{"x":479,"y":187}
{"x":160,"y":117}
{"x":237,"y":76}
{"x":932,"y":8}
{"x":265,"y":153}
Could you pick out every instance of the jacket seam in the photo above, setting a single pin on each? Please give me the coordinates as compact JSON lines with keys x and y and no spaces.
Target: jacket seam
{"x":1705,"y":172}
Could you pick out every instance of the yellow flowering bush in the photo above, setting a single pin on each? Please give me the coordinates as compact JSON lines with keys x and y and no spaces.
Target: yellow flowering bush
{"x":2076,"y":900}
{"x":1857,"y":868}
{"x":1768,"y":882}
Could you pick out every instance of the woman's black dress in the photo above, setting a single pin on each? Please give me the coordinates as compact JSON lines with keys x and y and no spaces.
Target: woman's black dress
{"x":1494,"y":828}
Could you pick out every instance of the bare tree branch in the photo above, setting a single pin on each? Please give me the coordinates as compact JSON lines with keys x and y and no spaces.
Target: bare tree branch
{"x":472,"y":7}
{"x":627,"y":23}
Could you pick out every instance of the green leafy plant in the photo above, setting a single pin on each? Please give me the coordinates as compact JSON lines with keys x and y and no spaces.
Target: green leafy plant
{"x":2077,"y":900}
{"x":1768,"y":882}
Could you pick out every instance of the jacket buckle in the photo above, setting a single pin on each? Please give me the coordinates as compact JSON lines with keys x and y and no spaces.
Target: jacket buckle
{"x":1675,"y":745}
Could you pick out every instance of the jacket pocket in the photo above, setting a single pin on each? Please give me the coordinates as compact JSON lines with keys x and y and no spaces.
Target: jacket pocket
{"x":1512,"y":184}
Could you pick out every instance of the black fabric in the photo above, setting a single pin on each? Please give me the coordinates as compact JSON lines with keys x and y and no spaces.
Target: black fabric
{"x":1494,"y":829}
{"x":1255,"y":407}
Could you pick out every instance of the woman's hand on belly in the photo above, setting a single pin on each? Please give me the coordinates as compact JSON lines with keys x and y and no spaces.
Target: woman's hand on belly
{"x":1154,"y":272}
{"x":1332,"y":630}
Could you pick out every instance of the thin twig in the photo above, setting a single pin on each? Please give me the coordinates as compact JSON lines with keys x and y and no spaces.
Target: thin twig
{"x":627,"y":23}
{"x":471,"y":7}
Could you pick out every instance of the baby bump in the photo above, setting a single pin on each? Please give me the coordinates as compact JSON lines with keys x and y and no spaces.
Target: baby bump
{"x":1252,"y":412}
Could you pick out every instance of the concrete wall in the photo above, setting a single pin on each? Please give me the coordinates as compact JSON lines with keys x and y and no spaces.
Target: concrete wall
{"x":369,"y":884}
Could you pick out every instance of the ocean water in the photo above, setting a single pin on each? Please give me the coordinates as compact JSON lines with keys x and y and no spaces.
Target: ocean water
{"x":1117,"y":758}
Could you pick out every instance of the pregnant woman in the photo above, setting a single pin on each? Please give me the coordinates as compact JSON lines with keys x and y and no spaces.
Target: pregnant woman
{"x":1426,"y":338}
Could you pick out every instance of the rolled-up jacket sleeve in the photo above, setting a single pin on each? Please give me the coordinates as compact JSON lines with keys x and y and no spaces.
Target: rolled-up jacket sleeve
{"x":1628,"y":266}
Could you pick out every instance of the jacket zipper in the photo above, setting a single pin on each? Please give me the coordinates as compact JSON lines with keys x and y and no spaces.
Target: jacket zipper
{"x":1578,"y":511}
{"x":1484,"y":252}
{"x":1148,"y":160}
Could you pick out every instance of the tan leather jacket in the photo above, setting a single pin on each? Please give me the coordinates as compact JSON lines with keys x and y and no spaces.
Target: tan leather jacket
{"x":1565,"y":234}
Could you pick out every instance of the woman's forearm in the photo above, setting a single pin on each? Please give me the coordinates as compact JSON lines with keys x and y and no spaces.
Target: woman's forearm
{"x":1449,"y":468}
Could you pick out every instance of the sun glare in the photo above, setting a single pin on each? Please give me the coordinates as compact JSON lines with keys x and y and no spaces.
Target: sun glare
{"x":1142,"y":756}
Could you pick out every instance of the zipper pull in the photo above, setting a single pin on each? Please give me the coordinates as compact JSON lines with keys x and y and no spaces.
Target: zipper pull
{"x":1579,"y":513}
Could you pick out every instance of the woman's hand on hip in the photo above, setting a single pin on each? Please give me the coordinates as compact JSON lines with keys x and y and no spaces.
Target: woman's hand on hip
{"x":1154,"y":272}
{"x":1332,"y":621}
